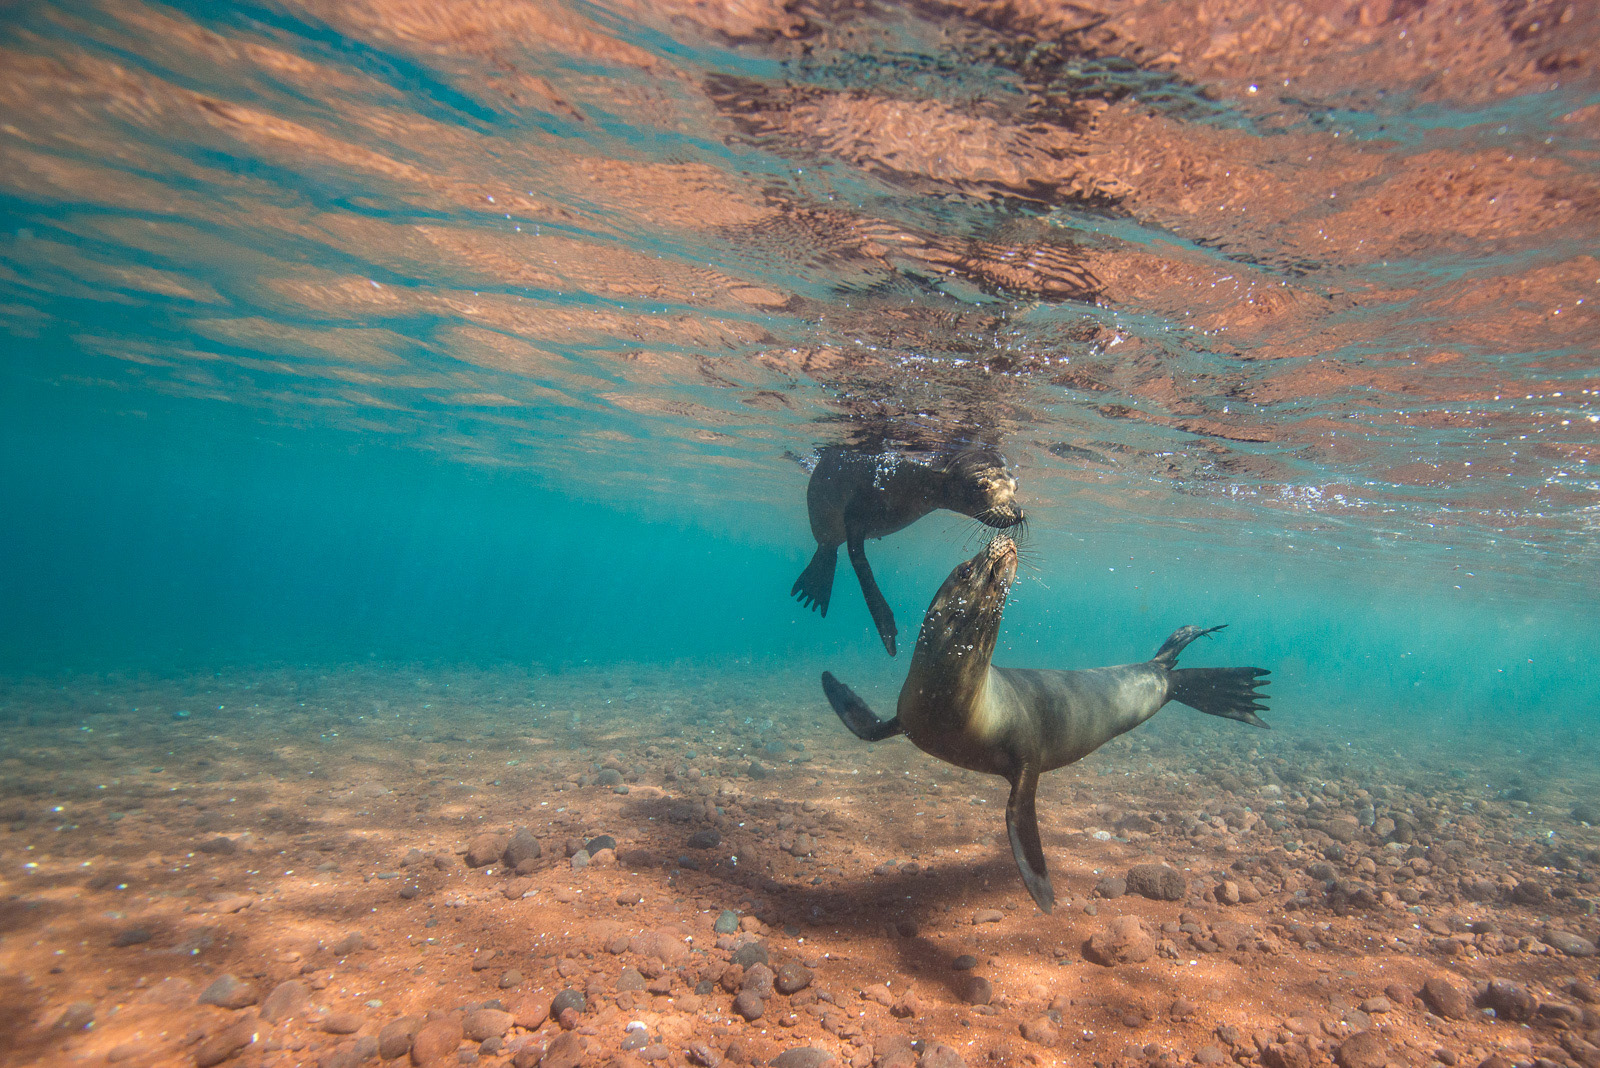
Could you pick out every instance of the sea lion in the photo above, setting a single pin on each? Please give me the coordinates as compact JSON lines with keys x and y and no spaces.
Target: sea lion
{"x":1019,"y":723}
{"x":855,"y":495}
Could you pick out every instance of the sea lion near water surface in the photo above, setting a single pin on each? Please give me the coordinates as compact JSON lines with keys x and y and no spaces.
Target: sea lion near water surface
{"x":1020,"y":723}
{"x":854,"y":495}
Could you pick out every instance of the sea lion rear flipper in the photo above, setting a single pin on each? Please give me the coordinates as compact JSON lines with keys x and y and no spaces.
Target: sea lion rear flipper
{"x":882,"y":617}
{"x":1022,"y":823}
{"x":861,"y":720}
{"x":1232,"y":693}
{"x":1168,"y":653}
{"x":814,"y":587}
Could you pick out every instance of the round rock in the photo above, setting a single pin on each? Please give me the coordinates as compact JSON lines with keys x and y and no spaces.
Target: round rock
{"x":1157,"y":882}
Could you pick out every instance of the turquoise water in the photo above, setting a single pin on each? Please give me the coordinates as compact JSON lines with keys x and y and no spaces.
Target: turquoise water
{"x":389,"y":334}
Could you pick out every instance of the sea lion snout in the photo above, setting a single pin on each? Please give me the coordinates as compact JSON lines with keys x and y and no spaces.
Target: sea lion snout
{"x":1001,"y":558}
{"x":983,"y":487}
{"x":966,"y":611}
{"x":985,"y":578}
{"x":997,"y":497}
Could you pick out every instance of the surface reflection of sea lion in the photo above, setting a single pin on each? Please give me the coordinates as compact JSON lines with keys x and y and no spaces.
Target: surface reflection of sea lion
{"x":1019,"y":723}
{"x":856,"y":495}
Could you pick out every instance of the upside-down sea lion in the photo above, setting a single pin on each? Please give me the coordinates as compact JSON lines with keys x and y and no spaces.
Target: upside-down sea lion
{"x":1020,"y":723}
{"x":855,"y":495}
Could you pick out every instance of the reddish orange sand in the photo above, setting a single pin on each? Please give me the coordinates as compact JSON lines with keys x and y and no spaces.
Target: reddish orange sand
{"x":348,"y":801}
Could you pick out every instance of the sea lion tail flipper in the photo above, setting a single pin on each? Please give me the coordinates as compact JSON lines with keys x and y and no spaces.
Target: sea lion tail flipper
{"x":1022,"y":823}
{"x":861,"y":720}
{"x":814,"y":587}
{"x":1232,"y":693}
{"x":1168,"y":653}
{"x":882,"y":616}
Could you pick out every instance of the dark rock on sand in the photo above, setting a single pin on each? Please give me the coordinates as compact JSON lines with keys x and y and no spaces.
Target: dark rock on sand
{"x":394,"y":1040}
{"x":350,"y":943}
{"x":749,"y":1006}
{"x":220,"y":846}
{"x":531,"y":1012}
{"x":1124,"y":942}
{"x":523,"y":846}
{"x":754,"y":952}
{"x":1364,"y":1049}
{"x":131,"y":936}
{"x":1041,"y":1031}
{"x":1570,"y":944}
{"x":225,"y":1043}
{"x":1584,"y":812}
{"x":565,"y":1052}
{"x":351,"y":1054}
{"x":288,"y":998}
{"x":482,"y":1024}
{"x":1446,"y":999}
{"x":227,"y":992}
{"x":436,"y":1041}
{"x":757,"y":980}
{"x":76,"y":1017}
{"x":706,"y":839}
{"x":568,"y":999}
{"x":940,"y":1055}
{"x":727,"y":923}
{"x":965,"y":962}
{"x":700,"y":1053}
{"x":976,"y":990}
{"x":802,"y":1057}
{"x":1286,"y":1055}
{"x":1509,"y":1000}
{"x":485,"y":849}
{"x":1530,"y":893}
{"x":793,"y":977}
{"x":342,"y":1023}
{"x":1157,"y":882}
{"x":1111,"y":886}
{"x":663,"y":945}
{"x":599,"y":842}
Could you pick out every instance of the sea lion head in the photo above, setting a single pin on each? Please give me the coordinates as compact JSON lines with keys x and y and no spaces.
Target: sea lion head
{"x":983,"y":487}
{"x":962,"y":624}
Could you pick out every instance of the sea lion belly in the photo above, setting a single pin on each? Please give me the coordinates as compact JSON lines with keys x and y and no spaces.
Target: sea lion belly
{"x":978,"y":738}
{"x":1060,"y":717}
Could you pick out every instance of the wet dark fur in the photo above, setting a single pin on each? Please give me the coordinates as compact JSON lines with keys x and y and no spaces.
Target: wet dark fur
{"x":1019,"y":723}
{"x":855,"y":495}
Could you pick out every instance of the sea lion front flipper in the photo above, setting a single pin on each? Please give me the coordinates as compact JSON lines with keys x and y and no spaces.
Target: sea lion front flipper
{"x":1022,"y":823}
{"x":814,"y":587}
{"x":882,"y":617}
{"x":855,"y":714}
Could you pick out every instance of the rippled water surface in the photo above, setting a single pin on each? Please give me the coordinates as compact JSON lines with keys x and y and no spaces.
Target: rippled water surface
{"x":1311,"y":280}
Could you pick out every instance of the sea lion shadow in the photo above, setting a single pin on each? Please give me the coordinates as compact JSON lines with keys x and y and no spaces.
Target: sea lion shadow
{"x":939,"y":895}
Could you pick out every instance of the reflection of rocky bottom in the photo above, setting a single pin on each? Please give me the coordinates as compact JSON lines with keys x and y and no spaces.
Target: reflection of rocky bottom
{"x":333,"y":867}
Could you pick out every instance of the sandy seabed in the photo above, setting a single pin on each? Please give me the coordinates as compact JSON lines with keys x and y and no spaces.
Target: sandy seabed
{"x":648,"y":864}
